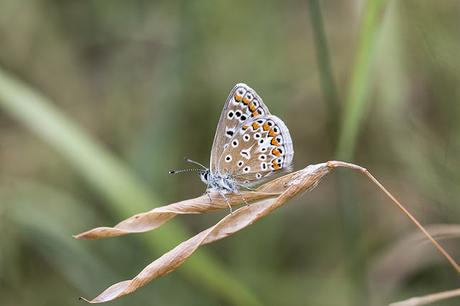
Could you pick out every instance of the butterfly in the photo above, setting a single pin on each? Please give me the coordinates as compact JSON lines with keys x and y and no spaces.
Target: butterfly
{"x":250,"y":144}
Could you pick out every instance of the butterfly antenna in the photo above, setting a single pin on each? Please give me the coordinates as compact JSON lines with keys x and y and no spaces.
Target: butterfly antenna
{"x":194,"y":162}
{"x":183,"y":170}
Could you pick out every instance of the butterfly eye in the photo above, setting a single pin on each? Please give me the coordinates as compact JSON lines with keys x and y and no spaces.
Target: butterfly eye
{"x":263,"y":166}
{"x":240,"y":163}
{"x":246,"y":137}
{"x":246,"y":169}
{"x":235,"y":143}
{"x":243,"y":117}
{"x":260,"y":121}
{"x":230,"y":114}
{"x":229,"y":133}
{"x":257,"y":135}
{"x":262,"y":157}
{"x":276,"y":130}
{"x":238,"y":114}
{"x":240,"y":91}
{"x":228,"y":158}
{"x":260,"y":111}
{"x":270,"y":123}
{"x":258,"y":175}
{"x":255,"y":103}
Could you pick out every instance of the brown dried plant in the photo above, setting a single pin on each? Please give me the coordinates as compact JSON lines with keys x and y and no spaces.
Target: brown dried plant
{"x":428,"y":299}
{"x":261,"y":202}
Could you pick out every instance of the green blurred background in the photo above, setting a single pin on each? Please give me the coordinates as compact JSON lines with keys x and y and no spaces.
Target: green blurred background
{"x":99,"y":99}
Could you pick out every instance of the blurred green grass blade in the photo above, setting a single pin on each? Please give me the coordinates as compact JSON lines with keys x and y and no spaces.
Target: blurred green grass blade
{"x":125,"y":193}
{"x":47,"y":219}
{"x":354,"y":107}
{"x":324,"y":65}
{"x":360,"y":78}
{"x":103,"y":171}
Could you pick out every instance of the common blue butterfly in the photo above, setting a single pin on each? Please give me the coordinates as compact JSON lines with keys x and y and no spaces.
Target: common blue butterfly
{"x":250,"y":144}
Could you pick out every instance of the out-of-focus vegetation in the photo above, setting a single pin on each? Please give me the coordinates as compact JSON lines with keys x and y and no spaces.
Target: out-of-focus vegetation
{"x":99,"y":99}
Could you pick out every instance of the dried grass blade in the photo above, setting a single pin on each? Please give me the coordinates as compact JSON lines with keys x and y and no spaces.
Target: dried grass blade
{"x":158,"y":216}
{"x":285,"y":187}
{"x":293,"y":184}
{"x":335,"y":164}
{"x":428,"y":299}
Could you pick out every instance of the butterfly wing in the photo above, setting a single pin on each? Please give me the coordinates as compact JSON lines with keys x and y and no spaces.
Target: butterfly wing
{"x":242,"y":104}
{"x":260,"y":147}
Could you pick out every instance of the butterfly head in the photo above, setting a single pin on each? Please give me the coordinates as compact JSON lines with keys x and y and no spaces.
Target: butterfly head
{"x":204,"y":175}
{"x":222,"y":183}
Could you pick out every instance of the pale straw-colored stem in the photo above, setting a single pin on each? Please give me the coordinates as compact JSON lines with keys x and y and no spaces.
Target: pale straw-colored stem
{"x":428,"y":299}
{"x":336,"y":164}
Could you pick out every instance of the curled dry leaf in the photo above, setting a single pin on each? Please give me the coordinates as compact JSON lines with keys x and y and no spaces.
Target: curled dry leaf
{"x":156,"y":217}
{"x":262,"y":201}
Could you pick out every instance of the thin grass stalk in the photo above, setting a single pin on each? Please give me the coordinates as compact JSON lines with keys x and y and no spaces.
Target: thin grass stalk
{"x":125,"y":193}
{"x":428,"y":299}
{"x":401,"y":207}
{"x":324,"y":66}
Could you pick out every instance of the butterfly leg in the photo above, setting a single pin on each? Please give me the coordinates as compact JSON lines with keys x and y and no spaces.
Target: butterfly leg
{"x":226,"y":200}
{"x":208,"y":193}
{"x":248,"y":188}
{"x":244,"y":200}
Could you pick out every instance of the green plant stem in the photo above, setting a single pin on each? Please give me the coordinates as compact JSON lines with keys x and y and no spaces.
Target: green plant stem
{"x":354,"y":108}
{"x":360,"y":78}
{"x":325,"y":69}
{"x":124,"y":192}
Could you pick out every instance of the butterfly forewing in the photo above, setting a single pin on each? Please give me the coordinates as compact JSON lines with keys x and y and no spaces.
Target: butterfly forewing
{"x":243,"y":104}
{"x":260,"y":147}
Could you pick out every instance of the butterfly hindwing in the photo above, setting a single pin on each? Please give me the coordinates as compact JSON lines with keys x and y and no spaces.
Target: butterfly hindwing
{"x":259,"y":147}
{"x":242,"y":104}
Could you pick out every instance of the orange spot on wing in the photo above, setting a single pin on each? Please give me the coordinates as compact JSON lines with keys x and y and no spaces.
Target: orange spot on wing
{"x":255,"y":114}
{"x":266,"y":126}
{"x":238,"y":97}
{"x":274,"y":142}
{"x":276,"y":152}
{"x":276,"y":166}
{"x":272,"y":133}
{"x":252,"y":107}
{"x":245,"y":100}
{"x":255,"y":125}
{"x":245,"y":127}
